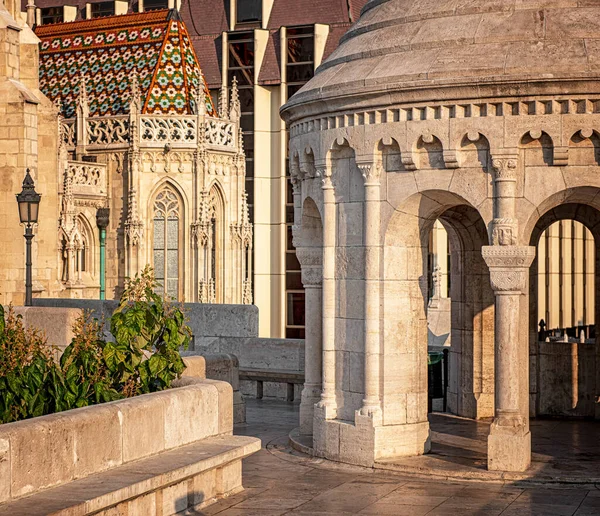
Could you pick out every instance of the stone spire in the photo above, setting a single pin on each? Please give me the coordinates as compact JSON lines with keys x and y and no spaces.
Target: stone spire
{"x":223,"y":108}
{"x":235,"y":109}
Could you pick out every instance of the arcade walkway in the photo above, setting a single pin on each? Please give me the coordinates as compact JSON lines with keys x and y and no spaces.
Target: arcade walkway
{"x":279,"y":481}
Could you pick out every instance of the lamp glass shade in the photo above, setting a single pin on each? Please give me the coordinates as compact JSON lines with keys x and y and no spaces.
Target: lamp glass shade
{"x":29,"y":202}
{"x":24,"y":212}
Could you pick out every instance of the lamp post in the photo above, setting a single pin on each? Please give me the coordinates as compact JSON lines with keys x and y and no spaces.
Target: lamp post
{"x":29,"y":203}
{"x":102,"y":217}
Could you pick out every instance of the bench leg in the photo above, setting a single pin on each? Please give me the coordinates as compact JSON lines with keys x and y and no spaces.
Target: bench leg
{"x":259,"y":390}
{"x":290,"y":392}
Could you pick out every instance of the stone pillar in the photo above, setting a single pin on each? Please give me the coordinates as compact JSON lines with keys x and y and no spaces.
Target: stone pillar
{"x":509,"y":442}
{"x":371,"y":405}
{"x":328,"y":402}
{"x":310,"y":259}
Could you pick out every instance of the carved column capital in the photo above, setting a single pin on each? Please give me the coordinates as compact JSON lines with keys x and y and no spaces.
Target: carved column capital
{"x":505,"y":168}
{"x":371,"y":172}
{"x":311,"y":260}
{"x":509,"y":267}
{"x":325,"y":173}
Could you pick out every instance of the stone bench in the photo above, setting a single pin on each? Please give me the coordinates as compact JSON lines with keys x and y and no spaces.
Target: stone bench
{"x":160,"y":453}
{"x":260,"y":376}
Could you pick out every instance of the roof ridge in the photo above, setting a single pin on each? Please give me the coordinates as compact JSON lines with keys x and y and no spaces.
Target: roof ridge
{"x":112,"y":22}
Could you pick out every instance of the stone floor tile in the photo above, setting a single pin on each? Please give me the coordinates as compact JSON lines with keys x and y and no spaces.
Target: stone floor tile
{"x":533,"y":509}
{"x":553,"y":496}
{"x":402,"y":498}
{"x":397,"y":510}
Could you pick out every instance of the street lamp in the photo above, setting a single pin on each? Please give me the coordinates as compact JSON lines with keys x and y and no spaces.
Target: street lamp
{"x":29,"y":203}
{"x":102,"y":219}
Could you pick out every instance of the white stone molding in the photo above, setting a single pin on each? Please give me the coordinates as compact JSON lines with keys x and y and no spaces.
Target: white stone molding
{"x":516,"y":107}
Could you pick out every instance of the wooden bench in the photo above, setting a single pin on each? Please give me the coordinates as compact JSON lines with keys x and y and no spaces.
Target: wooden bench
{"x":260,"y":376}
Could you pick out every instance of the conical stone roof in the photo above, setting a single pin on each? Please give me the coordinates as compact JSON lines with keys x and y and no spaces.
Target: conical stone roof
{"x":424,"y":50}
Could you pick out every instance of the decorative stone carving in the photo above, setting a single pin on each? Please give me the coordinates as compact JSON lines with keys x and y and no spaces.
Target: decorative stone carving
{"x":168,"y":130}
{"x":134,"y":227}
{"x":509,"y":267}
{"x":108,"y":130}
{"x":504,"y":232}
{"x":371,"y":172}
{"x":505,"y":169}
{"x":220,"y":133}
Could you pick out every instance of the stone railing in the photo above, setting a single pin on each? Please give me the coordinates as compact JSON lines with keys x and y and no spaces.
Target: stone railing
{"x":87,"y":178}
{"x":173,"y":130}
{"x":107,"y":131}
{"x":154,"y":132}
{"x":220,"y":133}
{"x":69,"y":132}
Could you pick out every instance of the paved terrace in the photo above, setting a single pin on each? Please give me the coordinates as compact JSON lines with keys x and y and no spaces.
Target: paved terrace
{"x":280,"y":481}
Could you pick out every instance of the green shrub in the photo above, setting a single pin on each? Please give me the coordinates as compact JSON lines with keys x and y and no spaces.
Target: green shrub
{"x":144,"y":356}
{"x":30,"y":382}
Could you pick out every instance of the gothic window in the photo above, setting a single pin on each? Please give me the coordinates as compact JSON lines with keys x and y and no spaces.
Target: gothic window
{"x":166,"y":242}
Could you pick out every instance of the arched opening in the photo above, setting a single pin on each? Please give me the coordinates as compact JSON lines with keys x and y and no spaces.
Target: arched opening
{"x":408,"y":299}
{"x":309,"y":250}
{"x":564,"y":356}
{"x":167,"y":242}
{"x":216,"y":241}
{"x":537,"y":149}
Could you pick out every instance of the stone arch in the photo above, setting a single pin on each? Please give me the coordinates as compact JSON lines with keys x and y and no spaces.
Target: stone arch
{"x":584,"y":148}
{"x":429,"y":152}
{"x":387,"y":151}
{"x":216,"y":218}
{"x":404,"y":301}
{"x":537,"y":148}
{"x":86,"y":256}
{"x":309,"y":251}
{"x":475,"y":151}
{"x":546,"y":390}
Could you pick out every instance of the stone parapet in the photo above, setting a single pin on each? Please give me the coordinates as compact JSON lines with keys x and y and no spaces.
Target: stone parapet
{"x":50,"y":451}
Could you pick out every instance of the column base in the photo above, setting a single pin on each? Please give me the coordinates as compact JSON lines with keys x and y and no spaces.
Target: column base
{"x":366,"y":441}
{"x":310,"y":397}
{"x":509,"y":449}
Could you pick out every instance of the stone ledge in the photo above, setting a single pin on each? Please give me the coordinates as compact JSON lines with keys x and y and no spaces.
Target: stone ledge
{"x":110,"y":489}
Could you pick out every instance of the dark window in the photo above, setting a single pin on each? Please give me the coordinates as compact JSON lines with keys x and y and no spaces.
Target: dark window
{"x":300,"y":57}
{"x":153,"y":5}
{"x":249,"y":11}
{"x":103,"y":9}
{"x":294,"y":327}
{"x":52,"y":15}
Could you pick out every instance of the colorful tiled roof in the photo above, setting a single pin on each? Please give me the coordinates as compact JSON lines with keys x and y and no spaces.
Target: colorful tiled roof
{"x":109,"y":51}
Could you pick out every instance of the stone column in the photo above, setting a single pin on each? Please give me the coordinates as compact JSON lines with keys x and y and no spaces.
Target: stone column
{"x":310,"y":259}
{"x":328,"y":396}
{"x":509,"y":442}
{"x":371,"y":405}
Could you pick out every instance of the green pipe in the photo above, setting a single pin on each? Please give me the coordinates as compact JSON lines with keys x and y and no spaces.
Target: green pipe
{"x":102,"y":263}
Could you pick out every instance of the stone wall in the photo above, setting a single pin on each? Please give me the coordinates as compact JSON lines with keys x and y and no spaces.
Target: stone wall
{"x":28,"y":125}
{"x":220,"y":329}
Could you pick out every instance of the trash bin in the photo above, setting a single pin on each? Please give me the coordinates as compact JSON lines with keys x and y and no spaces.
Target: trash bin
{"x":437,"y":376}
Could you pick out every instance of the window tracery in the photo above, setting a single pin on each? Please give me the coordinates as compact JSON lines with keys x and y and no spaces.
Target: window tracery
{"x":166,"y":242}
